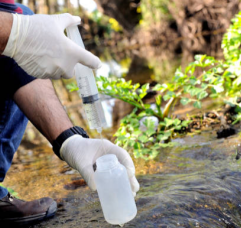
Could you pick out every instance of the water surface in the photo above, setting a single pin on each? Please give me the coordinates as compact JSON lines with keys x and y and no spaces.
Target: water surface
{"x":195,"y":184}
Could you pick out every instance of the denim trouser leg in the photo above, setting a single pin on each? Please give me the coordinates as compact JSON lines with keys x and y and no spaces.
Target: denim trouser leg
{"x":12,"y":125}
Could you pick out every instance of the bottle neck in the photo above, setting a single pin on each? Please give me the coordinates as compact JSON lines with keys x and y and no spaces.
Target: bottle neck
{"x":106,"y":162}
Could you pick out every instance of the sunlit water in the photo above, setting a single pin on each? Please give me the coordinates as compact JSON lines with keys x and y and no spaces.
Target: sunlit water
{"x":196,"y":184}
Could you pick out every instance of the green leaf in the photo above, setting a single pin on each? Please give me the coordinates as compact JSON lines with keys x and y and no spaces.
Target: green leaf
{"x":149,"y":111}
{"x":192,"y":80}
{"x":150,"y":132}
{"x":158,"y":100}
{"x":149,"y":123}
{"x":178,"y":127}
{"x":137,"y":146}
{"x":121,"y":138}
{"x":136,"y":86}
{"x":185,"y":123}
{"x":134,"y":123}
{"x":214,"y":95}
{"x":169,"y":95}
{"x":199,"y":58}
{"x":147,"y":106}
{"x":168,"y":122}
{"x":72,"y":87}
{"x":143,"y":138}
{"x":194,"y":91}
{"x":202,"y":95}
{"x":159,"y":87}
{"x":190,"y":69}
{"x":137,"y":132}
{"x":204,"y":86}
{"x":162,"y":137}
{"x":145,"y":87}
{"x":176,"y":122}
{"x":197,"y":104}
{"x":185,"y":100}
{"x":142,"y":95}
{"x":178,"y":74}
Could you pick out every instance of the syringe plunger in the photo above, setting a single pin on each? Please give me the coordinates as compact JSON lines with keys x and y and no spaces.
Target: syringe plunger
{"x":87,"y":87}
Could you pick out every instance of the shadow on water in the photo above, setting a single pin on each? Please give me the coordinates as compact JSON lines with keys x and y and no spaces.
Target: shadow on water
{"x":195,"y":184}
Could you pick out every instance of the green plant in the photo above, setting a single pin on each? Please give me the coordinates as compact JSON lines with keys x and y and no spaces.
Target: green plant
{"x":153,"y":11}
{"x":11,"y":191}
{"x":232,"y":40}
{"x":108,"y":24}
{"x":148,"y":139}
{"x":205,"y":77}
{"x":132,"y":94}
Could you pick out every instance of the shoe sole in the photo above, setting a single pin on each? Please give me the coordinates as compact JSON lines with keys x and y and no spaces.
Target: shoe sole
{"x":32,"y":218}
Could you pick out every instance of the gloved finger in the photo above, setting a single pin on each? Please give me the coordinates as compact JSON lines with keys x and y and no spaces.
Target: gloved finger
{"x":124,"y":158}
{"x":65,"y":20}
{"x":68,"y":74}
{"x":88,"y":175}
{"x":90,"y":61}
{"x":133,"y":181}
{"x":135,"y":186}
{"x":86,"y":58}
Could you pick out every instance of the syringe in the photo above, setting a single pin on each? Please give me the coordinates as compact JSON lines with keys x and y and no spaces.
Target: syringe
{"x":87,"y":87}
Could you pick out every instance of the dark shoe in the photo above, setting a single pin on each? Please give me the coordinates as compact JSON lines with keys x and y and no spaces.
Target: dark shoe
{"x":19,"y":212}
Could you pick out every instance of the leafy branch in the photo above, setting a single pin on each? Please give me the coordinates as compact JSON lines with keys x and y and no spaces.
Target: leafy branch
{"x":151,"y":127}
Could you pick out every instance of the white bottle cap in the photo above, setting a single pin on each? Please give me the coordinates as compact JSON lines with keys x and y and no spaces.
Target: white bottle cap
{"x":106,"y":162}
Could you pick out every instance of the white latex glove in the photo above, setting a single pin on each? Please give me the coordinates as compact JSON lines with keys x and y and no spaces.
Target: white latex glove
{"x":81,"y":153}
{"x":39,"y":46}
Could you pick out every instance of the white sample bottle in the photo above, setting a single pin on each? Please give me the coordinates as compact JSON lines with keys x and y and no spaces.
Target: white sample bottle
{"x":114,"y":190}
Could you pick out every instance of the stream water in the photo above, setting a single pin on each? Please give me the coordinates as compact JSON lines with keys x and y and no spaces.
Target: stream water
{"x":194,"y":184}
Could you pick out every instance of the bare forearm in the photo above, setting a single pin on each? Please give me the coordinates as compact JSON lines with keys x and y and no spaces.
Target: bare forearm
{"x":6,"y":21}
{"x":40,"y":104}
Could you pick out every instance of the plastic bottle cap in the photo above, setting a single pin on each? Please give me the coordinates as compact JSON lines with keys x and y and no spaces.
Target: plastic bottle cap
{"x":106,"y":162}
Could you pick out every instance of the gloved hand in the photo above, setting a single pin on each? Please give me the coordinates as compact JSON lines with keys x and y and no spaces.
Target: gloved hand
{"x":81,"y":153}
{"x":39,"y":46}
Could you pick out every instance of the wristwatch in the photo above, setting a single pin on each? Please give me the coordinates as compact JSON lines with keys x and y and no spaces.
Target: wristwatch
{"x":57,"y":143}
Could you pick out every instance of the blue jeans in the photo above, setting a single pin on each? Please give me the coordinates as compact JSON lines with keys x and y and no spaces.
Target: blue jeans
{"x":12,"y":121}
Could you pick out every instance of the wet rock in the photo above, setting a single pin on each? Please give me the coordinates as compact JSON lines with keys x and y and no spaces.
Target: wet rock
{"x":198,"y":185}
{"x":225,"y":132}
{"x":211,"y":115}
{"x":75,"y":184}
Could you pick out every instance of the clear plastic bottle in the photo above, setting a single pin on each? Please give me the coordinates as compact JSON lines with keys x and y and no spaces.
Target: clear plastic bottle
{"x":114,"y":190}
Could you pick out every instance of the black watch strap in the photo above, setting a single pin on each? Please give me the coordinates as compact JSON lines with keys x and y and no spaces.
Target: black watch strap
{"x":57,"y":143}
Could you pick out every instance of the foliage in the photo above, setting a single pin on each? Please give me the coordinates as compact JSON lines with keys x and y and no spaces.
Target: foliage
{"x":205,"y":77}
{"x":108,"y":24}
{"x":202,"y":78}
{"x":72,"y":87}
{"x":231,"y":42}
{"x":153,"y":11}
{"x":141,"y":133}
